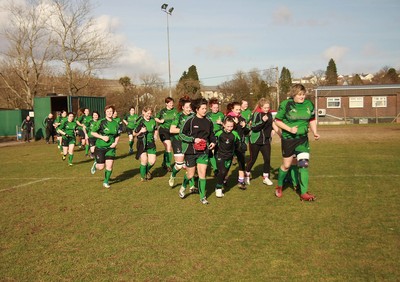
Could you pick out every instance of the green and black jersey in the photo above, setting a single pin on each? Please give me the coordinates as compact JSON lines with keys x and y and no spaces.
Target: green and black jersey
{"x":85,"y":120}
{"x":296,"y":114}
{"x":215,"y":117}
{"x":260,"y":130}
{"x":246,"y":114}
{"x":193,"y":128}
{"x":108,"y":128}
{"x":132,"y":121}
{"x":227,"y":144}
{"x":179,"y":121}
{"x":59,"y":120}
{"x":168,"y":116}
{"x":68,"y":127}
{"x":150,"y":126}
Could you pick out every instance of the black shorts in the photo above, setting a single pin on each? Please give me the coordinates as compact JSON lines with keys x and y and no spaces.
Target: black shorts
{"x":164,"y":134}
{"x":193,"y":160}
{"x":101,"y":155}
{"x":292,"y":147}
{"x":81,"y":133}
{"x":177,"y":146}
{"x":92,"y":141}
{"x":129,"y":131}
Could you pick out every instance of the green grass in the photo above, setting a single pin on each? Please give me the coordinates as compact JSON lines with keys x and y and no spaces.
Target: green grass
{"x":59,"y":223}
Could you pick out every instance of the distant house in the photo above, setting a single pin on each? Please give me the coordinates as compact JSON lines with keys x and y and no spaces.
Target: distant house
{"x":209,"y":92}
{"x":358,"y":104}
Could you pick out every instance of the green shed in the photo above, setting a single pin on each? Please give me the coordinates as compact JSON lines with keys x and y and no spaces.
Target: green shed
{"x":11,"y":121}
{"x":54,"y":103}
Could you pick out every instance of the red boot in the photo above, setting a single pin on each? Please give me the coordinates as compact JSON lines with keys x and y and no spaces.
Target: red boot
{"x":278,"y":191}
{"x":307,"y":197}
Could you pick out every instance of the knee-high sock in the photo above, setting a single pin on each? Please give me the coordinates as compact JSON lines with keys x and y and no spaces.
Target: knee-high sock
{"x":107,"y":175}
{"x":202,"y":188}
{"x":70,"y":158}
{"x":130,"y":144}
{"x":169,"y":158}
{"x":143,"y":170}
{"x":185,"y":181}
{"x":149,"y":166}
{"x":175,"y":170}
{"x":191,"y":182}
{"x":281,"y":177}
{"x":294,"y":175}
{"x":303,"y":179}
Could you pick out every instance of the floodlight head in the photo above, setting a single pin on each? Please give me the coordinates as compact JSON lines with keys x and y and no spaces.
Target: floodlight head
{"x":164,"y":6}
{"x":170,"y":10}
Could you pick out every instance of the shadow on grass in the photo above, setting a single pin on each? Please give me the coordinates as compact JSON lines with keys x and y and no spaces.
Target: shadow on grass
{"x":126,"y":175}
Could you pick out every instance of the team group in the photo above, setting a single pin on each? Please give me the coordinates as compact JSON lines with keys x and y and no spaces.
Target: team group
{"x":197,"y":134}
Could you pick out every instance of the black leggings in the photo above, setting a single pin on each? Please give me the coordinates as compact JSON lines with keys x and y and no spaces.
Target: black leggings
{"x":265,"y":150}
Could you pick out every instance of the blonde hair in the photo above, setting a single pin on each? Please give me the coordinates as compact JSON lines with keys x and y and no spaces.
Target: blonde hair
{"x":297,"y":89}
{"x":261,"y":103}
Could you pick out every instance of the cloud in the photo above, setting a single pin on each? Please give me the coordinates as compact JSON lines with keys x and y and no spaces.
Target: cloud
{"x":369,"y":50}
{"x":215,"y":52}
{"x":335,"y":52}
{"x":282,"y":16}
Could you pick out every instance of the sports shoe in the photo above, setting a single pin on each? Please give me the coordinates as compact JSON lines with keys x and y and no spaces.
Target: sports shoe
{"x":242,"y":185}
{"x":204,"y":201}
{"x":247,"y":180}
{"x":218,"y":193}
{"x":106,"y":185}
{"x":130,"y":151}
{"x":63,"y":157}
{"x":194,"y":190}
{"x":93,"y":169}
{"x":267,"y":181}
{"x":307,"y":197}
{"x":171,"y":181}
{"x":278,"y":191}
{"x":143,"y":179}
{"x":182,"y":192}
{"x":169,"y":169}
{"x":70,"y":164}
{"x":149,"y":176}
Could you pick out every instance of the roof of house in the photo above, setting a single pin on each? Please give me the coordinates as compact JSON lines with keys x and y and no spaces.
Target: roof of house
{"x":357,"y":90}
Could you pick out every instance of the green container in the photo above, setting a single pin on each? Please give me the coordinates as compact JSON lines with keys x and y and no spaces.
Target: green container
{"x":56,"y":103}
{"x":11,"y":121}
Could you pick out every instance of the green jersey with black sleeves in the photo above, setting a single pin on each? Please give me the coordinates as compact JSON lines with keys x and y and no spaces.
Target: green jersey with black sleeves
{"x":108,"y":128}
{"x":85,"y":120}
{"x":214,"y":117}
{"x":150,"y":125}
{"x":168,"y":116}
{"x":296,"y":114}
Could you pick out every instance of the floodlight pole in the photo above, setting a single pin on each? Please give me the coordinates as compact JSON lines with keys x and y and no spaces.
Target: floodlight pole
{"x":168,"y":12}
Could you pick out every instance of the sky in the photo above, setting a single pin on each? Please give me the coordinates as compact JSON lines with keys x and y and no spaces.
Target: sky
{"x":223,"y":37}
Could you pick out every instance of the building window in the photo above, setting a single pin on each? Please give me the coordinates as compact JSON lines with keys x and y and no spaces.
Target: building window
{"x":379,"y":102}
{"x":333,"y":102}
{"x":356,"y":102}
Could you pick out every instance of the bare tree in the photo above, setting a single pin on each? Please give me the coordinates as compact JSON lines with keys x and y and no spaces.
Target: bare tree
{"x":30,"y":47}
{"x":82,"y":47}
{"x":319,"y":75}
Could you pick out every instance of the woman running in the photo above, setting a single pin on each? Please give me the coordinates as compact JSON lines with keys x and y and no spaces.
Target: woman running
{"x":67,"y":132}
{"x":164,"y":118}
{"x":130,"y":121}
{"x":107,"y":133}
{"x":294,"y":117}
{"x":146,"y":146}
{"x":89,"y":129}
{"x":262,"y":129}
{"x":197,"y":139}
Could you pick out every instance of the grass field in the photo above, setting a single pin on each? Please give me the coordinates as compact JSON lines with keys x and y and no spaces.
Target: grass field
{"x":57,"y":223}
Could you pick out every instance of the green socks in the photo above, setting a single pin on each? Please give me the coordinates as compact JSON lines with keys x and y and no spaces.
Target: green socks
{"x":107,"y":175}
{"x":281,"y":176}
{"x":202,"y":188}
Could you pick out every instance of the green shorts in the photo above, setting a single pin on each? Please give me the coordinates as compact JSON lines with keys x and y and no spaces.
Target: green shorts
{"x":193,"y":160}
{"x":151,"y":151}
